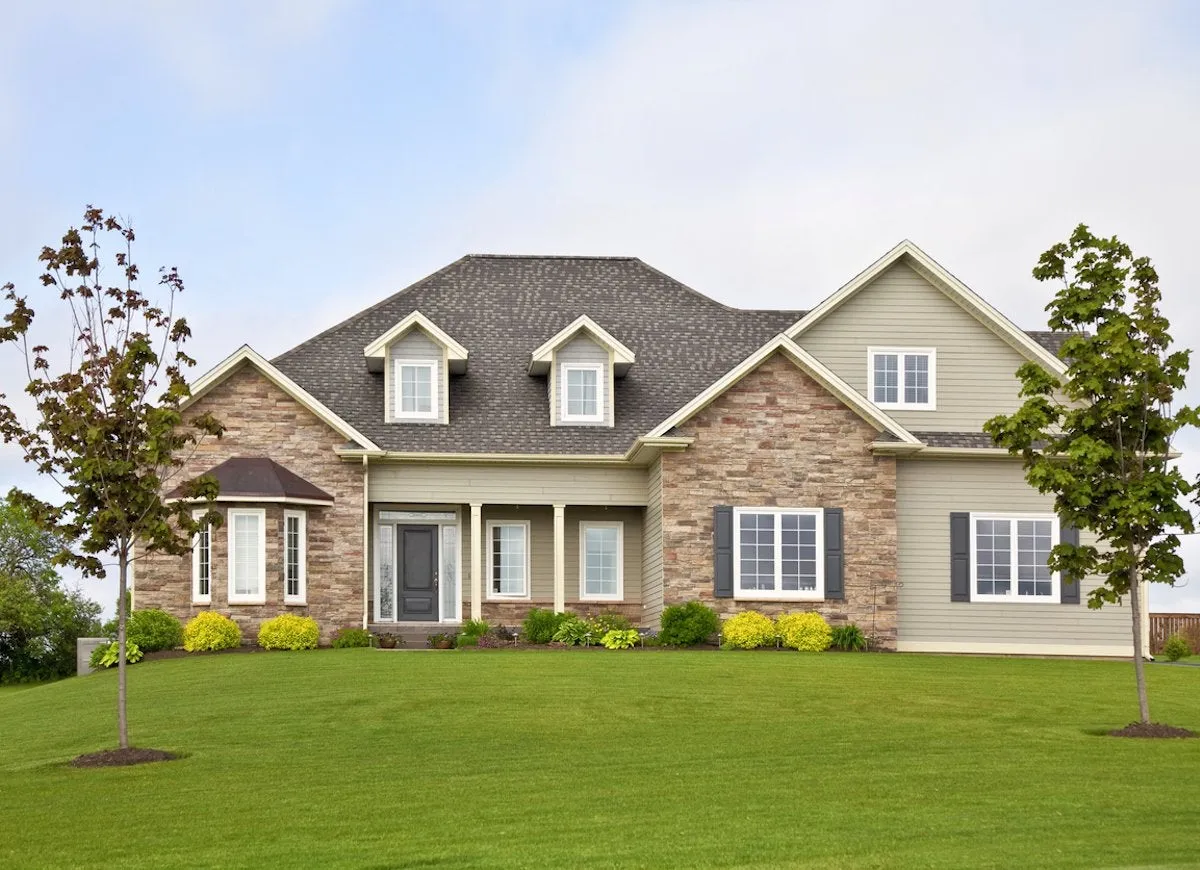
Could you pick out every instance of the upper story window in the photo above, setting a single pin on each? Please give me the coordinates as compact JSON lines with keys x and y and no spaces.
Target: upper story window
{"x":583,"y":393}
{"x":903,"y":378}
{"x":416,"y":385}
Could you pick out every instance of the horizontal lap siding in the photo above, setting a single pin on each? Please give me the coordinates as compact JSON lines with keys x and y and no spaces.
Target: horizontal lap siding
{"x":409,"y":482}
{"x":976,"y":369}
{"x":652,"y":548}
{"x":927,"y":491}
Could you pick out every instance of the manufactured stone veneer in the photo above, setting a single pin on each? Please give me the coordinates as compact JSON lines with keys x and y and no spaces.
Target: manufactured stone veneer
{"x":778,"y":438}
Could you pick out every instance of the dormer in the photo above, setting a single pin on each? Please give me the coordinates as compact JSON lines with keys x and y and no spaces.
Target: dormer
{"x":417,"y":358}
{"x":582,"y":362}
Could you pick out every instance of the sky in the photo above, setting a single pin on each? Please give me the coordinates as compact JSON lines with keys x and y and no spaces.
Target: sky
{"x":298,"y":160}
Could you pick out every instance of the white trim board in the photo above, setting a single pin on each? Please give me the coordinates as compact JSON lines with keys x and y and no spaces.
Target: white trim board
{"x":455,"y":352}
{"x":1018,"y":649}
{"x":622,"y":356}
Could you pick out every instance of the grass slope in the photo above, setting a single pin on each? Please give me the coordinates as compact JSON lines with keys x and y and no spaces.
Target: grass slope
{"x":362,"y":758}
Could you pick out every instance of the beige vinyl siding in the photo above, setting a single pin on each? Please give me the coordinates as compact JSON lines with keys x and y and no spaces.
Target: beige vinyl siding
{"x":975,"y":368}
{"x":652,"y":555}
{"x":631,"y":520}
{"x":927,"y":491}
{"x":507,"y":484}
{"x":416,"y":345}
{"x":582,"y":349}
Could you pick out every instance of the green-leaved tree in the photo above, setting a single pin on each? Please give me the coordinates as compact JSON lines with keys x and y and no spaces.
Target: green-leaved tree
{"x":1100,"y":437}
{"x":107,"y":427}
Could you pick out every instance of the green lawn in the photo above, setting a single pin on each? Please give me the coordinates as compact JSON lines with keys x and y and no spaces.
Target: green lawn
{"x":364,"y":758}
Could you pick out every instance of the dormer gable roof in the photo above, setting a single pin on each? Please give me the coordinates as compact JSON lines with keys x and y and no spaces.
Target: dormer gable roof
{"x":623,"y":357}
{"x":456,"y":354}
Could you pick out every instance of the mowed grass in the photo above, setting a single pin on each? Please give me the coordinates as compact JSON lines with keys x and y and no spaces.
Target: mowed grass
{"x":365,"y":758}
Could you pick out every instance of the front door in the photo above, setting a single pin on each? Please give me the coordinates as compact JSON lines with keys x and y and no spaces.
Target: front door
{"x":416,"y":575}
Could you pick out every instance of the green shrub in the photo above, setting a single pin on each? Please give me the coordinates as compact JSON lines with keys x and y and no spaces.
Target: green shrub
{"x":289,"y":631}
{"x":464,"y":640}
{"x":748,"y":630}
{"x":105,"y":655}
{"x":209,"y":631}
{"x":1176,"y":648}
{"x":688,"y":624}
{"x":351,"y":638}
{"x":603,"y":623}
{"x":849,"y":637}
{"x":574,"y":631}
{"x":475,"y":627}
{"x":807,"y":632}
{"x":153,"y":630}
{"x":620,"y":638}
{"x":541,"y":624}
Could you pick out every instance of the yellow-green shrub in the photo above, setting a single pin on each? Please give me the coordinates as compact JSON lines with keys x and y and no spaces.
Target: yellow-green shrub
{"x":748,"y":630}
{"x":289,"y":631}
{"x":807,"y":632}
{"x":210,"y":630}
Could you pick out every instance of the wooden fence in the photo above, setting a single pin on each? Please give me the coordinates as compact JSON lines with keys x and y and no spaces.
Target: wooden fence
{"x":1163,"y":625}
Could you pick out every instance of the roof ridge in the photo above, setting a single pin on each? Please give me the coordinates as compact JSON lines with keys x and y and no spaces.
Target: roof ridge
{"x":549,"y":257}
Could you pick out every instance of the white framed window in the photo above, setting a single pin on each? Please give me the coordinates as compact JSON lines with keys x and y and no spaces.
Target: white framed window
{"x":295,"y":557}
{"x":1008,"y":558}
{"x":900,"y":377}
{"x":601,"y":561}
{"x":416,"y":386}
{"x":582,"y":393}
{"x":508,"y":558}
{"x":247,"y":555}
{"x":779,"y":553}
{"x":202,"y":562}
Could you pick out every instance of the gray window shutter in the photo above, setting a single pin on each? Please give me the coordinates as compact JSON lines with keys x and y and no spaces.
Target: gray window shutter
{"x":835,"y":563}
{"x":1069,"y":586}
{"x":723,"y":551}
{"x":960,"y":556}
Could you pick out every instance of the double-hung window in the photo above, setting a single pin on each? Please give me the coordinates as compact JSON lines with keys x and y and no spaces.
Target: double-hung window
{"x":202,"y":563}
{"x":779,"y":553}
{"x":903,"y":377}
{"x":601,"y":554}
{"x":1009,"y":553}
{"x":295,"y":556}
{"x":508,"y":559}
{"x":582,"y":393}
{"x":416,"y":390}
{"x":247,"y":556}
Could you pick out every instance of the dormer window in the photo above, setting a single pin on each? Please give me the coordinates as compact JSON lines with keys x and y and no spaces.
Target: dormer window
{"x":416,"y":389}
{"x":902,"y":378}
{"x":583,"y":393}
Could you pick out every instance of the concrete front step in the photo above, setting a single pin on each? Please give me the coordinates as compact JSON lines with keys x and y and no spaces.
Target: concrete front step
{"x":414,"y":634}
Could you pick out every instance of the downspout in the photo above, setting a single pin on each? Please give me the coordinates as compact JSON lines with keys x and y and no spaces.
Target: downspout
{"x":366,"y":540}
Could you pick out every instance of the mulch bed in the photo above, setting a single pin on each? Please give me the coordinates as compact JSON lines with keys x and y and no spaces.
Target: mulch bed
{"x":1152,"y":729}
{"x":122,"y":757}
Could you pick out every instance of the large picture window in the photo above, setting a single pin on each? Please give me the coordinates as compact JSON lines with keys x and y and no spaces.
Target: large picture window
{"x":779,"y":553}
{"x":295,"y":557}
{"x":508,"y":559}
{"x":601,"y":554}
{"x":416,"y":390}
{"x":1009,"y":555}
{"x":247,"y":556}
{"x":902,"y":377}
{"x":202,"y":563}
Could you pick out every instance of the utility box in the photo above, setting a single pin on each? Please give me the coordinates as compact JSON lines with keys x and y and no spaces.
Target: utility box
{"x":84,"y":647}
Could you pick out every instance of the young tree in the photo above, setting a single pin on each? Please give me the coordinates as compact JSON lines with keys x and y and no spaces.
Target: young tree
{"x":108,"y":428}
{"x":1100,"y":438}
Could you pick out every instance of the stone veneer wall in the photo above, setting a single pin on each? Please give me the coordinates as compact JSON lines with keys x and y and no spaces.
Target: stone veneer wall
{"x":262,"y":420}
{"x":777,"y":438}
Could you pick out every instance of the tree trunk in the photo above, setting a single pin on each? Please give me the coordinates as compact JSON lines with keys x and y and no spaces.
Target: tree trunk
{"x":123,"y":586}
{"x":1139,"y":665}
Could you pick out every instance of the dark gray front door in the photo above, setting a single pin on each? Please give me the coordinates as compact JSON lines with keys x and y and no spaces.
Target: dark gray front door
{"x":416,"y":577}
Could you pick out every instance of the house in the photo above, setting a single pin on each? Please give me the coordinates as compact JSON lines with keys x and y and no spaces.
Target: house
{"x":586,"y":433}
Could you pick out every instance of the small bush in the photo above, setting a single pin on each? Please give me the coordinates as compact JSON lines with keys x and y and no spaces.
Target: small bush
{"x":105,"y":655}
{"x":475,"y":627}
{"x":210,"y":631}
{"x":603,"y":623}
{"x":620,"y":638}
{"x":748,"y":630}
{"x":541,"y":624}
{"x":849,"y":638}
{"x":574,"y":631}
{"x":688,"y":624}
{"x":351,"y":638}
{"x":153,"y":630}
{"x":289,"y":631}
{"x":1176,"y":648}
{"x":807,"y":632}
{"x":465,"y":640}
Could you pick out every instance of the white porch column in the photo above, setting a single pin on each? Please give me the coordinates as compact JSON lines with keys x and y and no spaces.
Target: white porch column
{"x":476,"y":561}
{"x":560,"y":559}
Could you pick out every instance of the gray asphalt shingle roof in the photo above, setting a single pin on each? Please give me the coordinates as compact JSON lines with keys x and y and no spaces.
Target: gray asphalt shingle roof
{"x":503,"y":307}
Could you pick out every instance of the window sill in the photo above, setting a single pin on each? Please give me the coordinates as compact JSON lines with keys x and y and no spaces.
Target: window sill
{"x":201,"y":602}
{"x":1023,"y":601}
{"x":237,"y":602}
{"x":901,"y":406}
{"x":295,"y":602}
{"x":781,"y":599}
{"x":600,"y":599}
{"x":508,"y":598}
